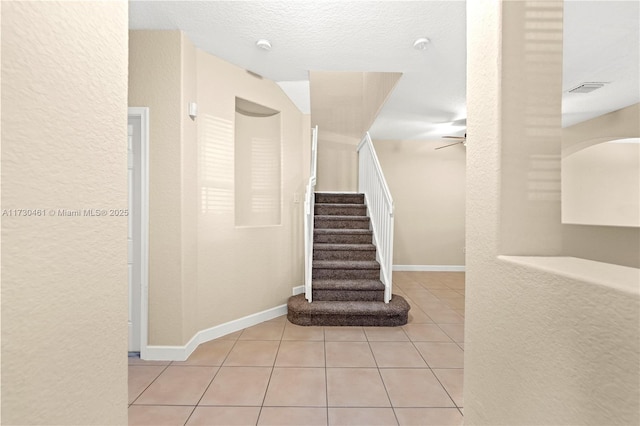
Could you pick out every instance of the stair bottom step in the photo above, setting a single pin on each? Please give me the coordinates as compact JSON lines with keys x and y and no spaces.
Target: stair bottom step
{"x":352,"y":313}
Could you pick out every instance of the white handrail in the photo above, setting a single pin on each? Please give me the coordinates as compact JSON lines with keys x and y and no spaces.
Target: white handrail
{"x":309,"y":204}
{"x":372,"y":184}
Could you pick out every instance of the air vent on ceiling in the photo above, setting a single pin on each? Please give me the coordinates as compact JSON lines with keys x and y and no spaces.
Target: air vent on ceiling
{"x":586,"y":87}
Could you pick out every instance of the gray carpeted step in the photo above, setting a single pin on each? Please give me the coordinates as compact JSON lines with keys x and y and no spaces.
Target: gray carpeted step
{"x":340,"y":209}
{"x":343,"y":198}
{"x":348,"y":290}
{"x":346,"y":287}
{"x":322,"y":313}
{"x":343,"y":236}
{"x":345,"y":269}
{"x":341,"y":222}
{"x":344,"y":252}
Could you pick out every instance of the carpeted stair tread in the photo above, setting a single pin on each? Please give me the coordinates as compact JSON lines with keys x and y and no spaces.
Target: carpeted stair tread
{"x":337,"y":221}
{"x":337,"y":217}
{"x":346,"y":285}
{"x":340,"y":313}
{"x":345,"y":264}
{"x":329,"y":246}
{"x":347,"y":197}
{"x":342,"y":231}
{"x":351,"y":285}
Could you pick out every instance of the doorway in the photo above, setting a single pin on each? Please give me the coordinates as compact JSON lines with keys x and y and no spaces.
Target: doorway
{"x":138,"y":227}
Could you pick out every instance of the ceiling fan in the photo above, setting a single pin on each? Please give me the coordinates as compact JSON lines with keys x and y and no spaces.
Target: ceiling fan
{"x":460,"y":140}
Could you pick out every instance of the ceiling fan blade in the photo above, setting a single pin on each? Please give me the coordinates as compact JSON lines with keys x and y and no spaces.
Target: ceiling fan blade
{"x":454,"y":137}
{"x":451,"y":144}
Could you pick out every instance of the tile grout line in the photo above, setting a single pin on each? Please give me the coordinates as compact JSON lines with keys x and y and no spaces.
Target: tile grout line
{"x":380,"y":375}
{"x":212,"y":379}
{"x":150,"y":383}
{"x":273,"y":368}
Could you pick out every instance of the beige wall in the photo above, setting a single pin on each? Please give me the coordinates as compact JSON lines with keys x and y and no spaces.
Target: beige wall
{"x":155,"y":81}
{"x":344,"y":105}
{"x":244,"y":270}
{"x":613,"y":244}
{"x":64,"y":279}
{"x":542,"y":345}
{"x":428,"y":189}
{"x":205,"y":271}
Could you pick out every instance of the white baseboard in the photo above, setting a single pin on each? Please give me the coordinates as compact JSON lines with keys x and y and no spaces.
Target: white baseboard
{"x":429,"y":268}
{"x":181,"y":353}
{"x":298,"y":290}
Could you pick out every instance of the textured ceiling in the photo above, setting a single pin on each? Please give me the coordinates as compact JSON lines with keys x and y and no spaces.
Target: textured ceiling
{"x":601,"y":44}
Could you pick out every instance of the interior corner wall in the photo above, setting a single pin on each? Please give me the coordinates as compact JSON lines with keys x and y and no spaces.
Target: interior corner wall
{"x":64,"y":276}
{"x":204,"y":271}
{"x":344,"y":105}
{"x":244,"y":270}
{"x":155,"y":81}
{"x":610,"y":244}
{"x":428,"y":188}
{"x":534,"y":346}
{"x":189,"y":188}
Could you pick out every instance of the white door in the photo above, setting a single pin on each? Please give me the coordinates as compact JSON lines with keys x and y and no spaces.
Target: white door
{"x":134,"y":240}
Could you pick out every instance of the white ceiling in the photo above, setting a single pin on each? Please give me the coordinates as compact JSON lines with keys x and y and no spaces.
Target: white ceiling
{"x":601,"y":43}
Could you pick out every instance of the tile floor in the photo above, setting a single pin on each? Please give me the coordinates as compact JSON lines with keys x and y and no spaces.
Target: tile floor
{"x":277,"y":373}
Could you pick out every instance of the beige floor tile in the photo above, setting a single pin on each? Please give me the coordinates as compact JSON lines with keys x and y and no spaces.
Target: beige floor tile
{"x":452,"y":380}
{"x":252,"y":354}
{"x":441,"y":355}
{"x":238,"y":386}
{"x":178,"y":385}
{"x":140,"y":377}
{"x":396,"y":354}
{"x":420,"y":293}
{"x":282,"y":319}
{"x":263,"y":331}
{"x":344,"y":334}
{"x":349,"y":354}
{"x":385,"y":334}
{"x":362,"y":416}
{"x":455,"y":331}
{"x":293,"y":416}
{"x":426,"y":333}
{"x":209,"y":353}
{"x":444,"y":293}
{"x":158,"y":415}
{"x":445,"y":316}
{"x":431,"y":305}
{"x":454,"y":302}
{"x":412,"y":387}
{"x":295,"y":387}
{"x":298,"y":332}
{"x":457,"y":284}
{"x":355,"y":387}
{"x":399,"y":291}
{"x":231,"y":336}
{"x":224,"y":416}
{"x":429,"y":416}
{"x":297,"y":353}
{"x":134,"y":360}
{"x":433,"y":285}
{"x":417,"y":316}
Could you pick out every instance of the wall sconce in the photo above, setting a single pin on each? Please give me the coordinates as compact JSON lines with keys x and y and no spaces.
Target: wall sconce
{"x":193,"y":110}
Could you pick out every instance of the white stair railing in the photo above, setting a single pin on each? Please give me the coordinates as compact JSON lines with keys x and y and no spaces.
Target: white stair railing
{"x":372,"y":184}
{"x":309,"y":204}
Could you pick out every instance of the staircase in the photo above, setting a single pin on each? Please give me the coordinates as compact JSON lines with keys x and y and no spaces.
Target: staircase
{"x":346,"y":286}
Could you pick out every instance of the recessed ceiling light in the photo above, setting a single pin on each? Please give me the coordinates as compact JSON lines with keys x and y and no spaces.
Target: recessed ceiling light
{"x":263,"y":44}
{"x":421,"y":43}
